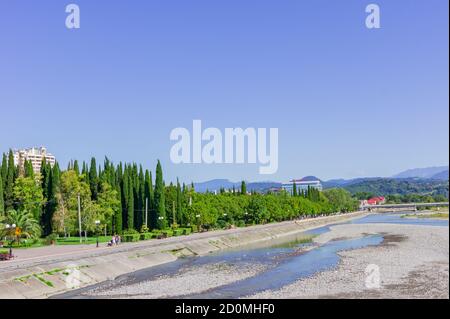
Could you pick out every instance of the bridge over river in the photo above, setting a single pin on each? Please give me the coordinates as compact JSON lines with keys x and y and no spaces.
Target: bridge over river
{"x":406,"y":206}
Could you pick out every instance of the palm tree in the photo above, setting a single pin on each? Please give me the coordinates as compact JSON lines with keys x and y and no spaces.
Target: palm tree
{"x":26,"y":225}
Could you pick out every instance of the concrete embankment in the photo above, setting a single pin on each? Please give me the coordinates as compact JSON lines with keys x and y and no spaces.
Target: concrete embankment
{"x":55,"y":274}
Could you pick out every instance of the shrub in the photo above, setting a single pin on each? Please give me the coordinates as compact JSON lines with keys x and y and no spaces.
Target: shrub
{"x":144,"y":229}
{"x":178,"y":232}
{"x":51,"y":239}
{"x":222,"y":224}
{"x":168,"y":232}
{"x":147,"y":236}
{"x":131,"y":235}
{"x":187,"y":231}
{"x":240,"y":223}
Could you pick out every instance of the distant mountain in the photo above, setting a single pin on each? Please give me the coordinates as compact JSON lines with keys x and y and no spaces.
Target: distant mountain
{"x":333,"y":183}
{"x":442,"y":176}
{"x":401,"y":186}
{"x":427,"y":172}
{"x":310,"y":178}
{"x":262,"y":187}
{"x":214,"y":185}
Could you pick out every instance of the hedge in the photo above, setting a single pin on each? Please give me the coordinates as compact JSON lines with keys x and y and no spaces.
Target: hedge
{"x":147,"y":236}
{"x":131,"y":237}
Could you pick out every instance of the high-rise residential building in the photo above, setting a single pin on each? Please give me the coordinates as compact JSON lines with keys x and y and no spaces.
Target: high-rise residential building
{"x":35,"y":155}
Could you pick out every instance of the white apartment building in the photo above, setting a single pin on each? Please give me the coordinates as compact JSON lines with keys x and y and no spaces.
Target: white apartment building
{"x":35,"y":155}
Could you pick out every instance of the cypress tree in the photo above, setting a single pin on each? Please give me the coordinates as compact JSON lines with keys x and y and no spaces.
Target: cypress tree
{"x":56,"y":176}
{"x":2,"y":202}
{"x":76,"y":167}
{"x":85,"y":173}
{"x":4,"y":170}
{"x":160,"y":207}
{"x":243,"y":188}
{"x":141,"y":197}
{"x":130,"y":203}
{"x":124,"y":196}
{"x":148,"y":190}
{"x":180,"y":214}
{"x":9,"y":185}
{"x":294,"y":189}
{"x":29,"y":171}
{"x":93,"y":179}
{"x":50,"y":205}
{"x":118,"y":218}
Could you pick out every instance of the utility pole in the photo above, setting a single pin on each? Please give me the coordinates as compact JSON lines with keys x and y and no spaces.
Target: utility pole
{"x":146,"y":212}
{"x":79,"y":217}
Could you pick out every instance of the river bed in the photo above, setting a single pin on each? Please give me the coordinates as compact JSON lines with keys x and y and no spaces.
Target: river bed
{"x":262,"y":270}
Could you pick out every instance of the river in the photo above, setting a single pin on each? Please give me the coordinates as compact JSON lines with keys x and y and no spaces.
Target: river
{"x":244,"y":272}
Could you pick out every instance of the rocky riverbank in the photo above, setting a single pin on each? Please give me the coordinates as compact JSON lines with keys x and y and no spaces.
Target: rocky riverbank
{"x":412,"y":262}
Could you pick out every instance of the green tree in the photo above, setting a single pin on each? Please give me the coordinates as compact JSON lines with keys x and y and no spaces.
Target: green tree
{"x":130,"y":203}
{"x":243,"y":188}
{"x":148,"y":190}
{"x":341,"y":200}
{"x":93,"y":178}
{"x":4,"y":171}
{"x":28,"y":169}
{"x":180,"y":205}
{"x":294,"y":190}
{"x":160,"y":208}
{"x":28,"y":196}
{"x":9,"y":185}
{"x":76,"y":167}
{"x":2,"y":202}
{"x":65,"y":219}
{"x":109,"y":204}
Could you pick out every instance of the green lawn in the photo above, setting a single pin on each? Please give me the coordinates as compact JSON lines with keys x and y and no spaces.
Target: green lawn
{"x":76,"y":240}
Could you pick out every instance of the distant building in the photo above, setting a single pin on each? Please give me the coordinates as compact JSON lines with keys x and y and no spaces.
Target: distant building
{"x":302,"y":185}
{"x":375,"y":201}
{"x":35,"y":156}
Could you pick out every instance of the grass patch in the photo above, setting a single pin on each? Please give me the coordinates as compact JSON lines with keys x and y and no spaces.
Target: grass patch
{"x":76,"y":240}
{"x":44,"y":281}
{"x":39,"y":276}
{"x":434,"y":215}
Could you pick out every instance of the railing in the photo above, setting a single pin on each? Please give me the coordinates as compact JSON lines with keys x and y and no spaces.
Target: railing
{"x":406,"y":205}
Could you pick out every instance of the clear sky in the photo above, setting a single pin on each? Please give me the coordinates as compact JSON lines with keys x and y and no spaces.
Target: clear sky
{"x":348,"y":101}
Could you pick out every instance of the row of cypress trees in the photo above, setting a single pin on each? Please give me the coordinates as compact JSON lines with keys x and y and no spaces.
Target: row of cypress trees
{"x":134,"y":186}
{"x":135,"y":189}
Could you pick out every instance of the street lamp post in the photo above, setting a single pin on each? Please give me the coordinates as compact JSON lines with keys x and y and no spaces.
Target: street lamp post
{"x":198,"y":222}
{"x":97,"y":224}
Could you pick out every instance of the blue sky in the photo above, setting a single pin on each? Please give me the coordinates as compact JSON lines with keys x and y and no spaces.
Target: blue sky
{"x":348,"y":101}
